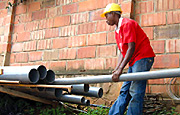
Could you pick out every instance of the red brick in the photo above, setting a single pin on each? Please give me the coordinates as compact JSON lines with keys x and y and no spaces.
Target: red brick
{"x":79,"y":18}
{"x":2,"y":30}
{"x":2,"y":5}
{"x":120,"y":1}
{"x":12,"y":58}
{"x":111,"y":63}
{"x":173,"y":4}
{"x":75,"y":65}
{"x":76,"y":0}
{"x":170,"y":45}
{"x":34,"y":6}
{"x":31,"y":26}
{"x":166,"y":61}
{"x":58,"y":65}
{"x":166,"y":32}
{"x":177,"y":45}
{"x":111,"y":37}
{"x":93,"y":4}
{"x":38,"y":15}
{"x":156,"y":81}
{"x":126,"y":7}
{"x":46,"y":23}
{"x":103,"y":26}
{"x":176,"y":4}
{"x":17,"y":47}
{"x":106,"y":51}
{"x":37,"y":35}
{"x":1,"y":21}
{"x":158,"y":46}
{"x":76,"y":41}
{"x":68,"y":30}
{"x":7,"y":30}
{"x":94,"y":64}
{"x":50,"y":55}
{"x":173,"y":17}
{"x":3,"y":13}
{"x":24,"y":36}
{"x":95,"y":15}
{"x":21,"y":9}
{"x":69,"y":9}
{"x":21,"y":57}
{"x":23,"y":18}
{"x":51,"y":12}
{"x":59,"y":43}
{"x":29,"y":46}
{"x":44,"y":44}
{"x":35,"y":56}
{"x":67,"y":54}
{"x":96,"y":39}
{"x":86,"y":52}
{"x":86,"y":28}
{"x":158,"y":89}
{"x":61,"y":21}
{"x":149,"y":32}
{"x":52,"y":33}
{"x":18,"y":28}
{"x":63,"y":2}
{"x":153,"y":19}
{"x":162,"y":5}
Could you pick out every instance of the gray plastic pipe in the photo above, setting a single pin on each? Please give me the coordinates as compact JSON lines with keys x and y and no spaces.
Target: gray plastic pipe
{"x":72,"y":99}
{"x":50,"y":93}
{"x":166,"y":73}
{"x":93,"y":92}
{"x":24,"y":74}
{"x":78,"y":88}
{"x":49,"y":78}
{"x":86,"y":102}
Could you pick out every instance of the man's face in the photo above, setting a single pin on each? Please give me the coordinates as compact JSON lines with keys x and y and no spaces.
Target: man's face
{"x":110,"y":19}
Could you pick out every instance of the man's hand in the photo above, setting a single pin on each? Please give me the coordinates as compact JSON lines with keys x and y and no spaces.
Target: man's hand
{"x":116,"y":75}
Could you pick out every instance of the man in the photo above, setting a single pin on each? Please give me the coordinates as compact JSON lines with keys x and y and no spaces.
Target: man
{"x":135,"y":49}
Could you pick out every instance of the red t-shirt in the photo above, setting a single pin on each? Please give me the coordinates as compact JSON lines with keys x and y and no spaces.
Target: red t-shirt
{"x":130,"y":31}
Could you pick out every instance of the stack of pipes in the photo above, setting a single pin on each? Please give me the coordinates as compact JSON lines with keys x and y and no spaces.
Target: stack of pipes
{"x":40,"y":82}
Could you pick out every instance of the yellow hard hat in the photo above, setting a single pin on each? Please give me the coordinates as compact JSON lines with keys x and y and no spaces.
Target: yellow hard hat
{"x":111,"y":7}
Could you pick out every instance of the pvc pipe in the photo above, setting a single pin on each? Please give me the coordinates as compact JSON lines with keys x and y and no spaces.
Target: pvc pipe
{"x":93,"y":92}
{"x":166,"y":73}
{"x":42,"y":71}
{"x":20,"y":73}
{"x":51,"y":93}
{"x":78,"y":88}
{"x":72,"y":99}
{"x":86,"y":102}
{"x":49,"y":78}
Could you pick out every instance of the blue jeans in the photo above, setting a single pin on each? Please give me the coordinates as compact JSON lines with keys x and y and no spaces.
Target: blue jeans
{"x":132,"y":92}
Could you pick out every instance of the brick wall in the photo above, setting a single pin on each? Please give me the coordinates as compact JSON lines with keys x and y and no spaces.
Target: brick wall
{"x":160,"y":20}
{"x":69,"y":36}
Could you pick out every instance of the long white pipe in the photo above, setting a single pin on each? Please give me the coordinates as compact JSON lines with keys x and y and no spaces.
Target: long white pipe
{"x":166,"y":73}
{"x":24,"y":74}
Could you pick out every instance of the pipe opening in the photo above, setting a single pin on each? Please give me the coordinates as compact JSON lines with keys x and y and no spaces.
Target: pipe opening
{"x":87,"y":102}
{"x":33,"y":76}
{"x":100,"y":93}
{"x":58,"y":92}
{"x":42,"y":71}
{"x":86,"y":87}
{"x":50,"y":77}
{"x":82,"y":99}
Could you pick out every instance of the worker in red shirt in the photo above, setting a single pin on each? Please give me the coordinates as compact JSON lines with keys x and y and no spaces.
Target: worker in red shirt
{"x":135,"y":49}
